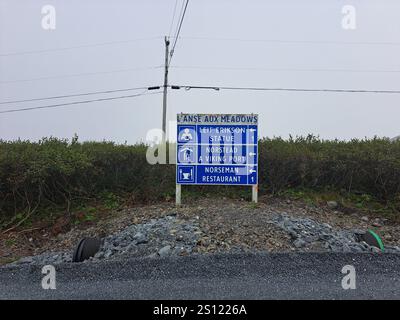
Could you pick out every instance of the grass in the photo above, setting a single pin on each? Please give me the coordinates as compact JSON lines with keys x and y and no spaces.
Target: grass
{"x":8,"y":260}
{"x":346,"y":201}
{"x":110,"y":200}
{"x":10,"y":242}
{"x":253,"y":205}
{"x":91,"y":211}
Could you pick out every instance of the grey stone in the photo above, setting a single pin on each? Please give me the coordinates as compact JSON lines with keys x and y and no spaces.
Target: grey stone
{"x":332,"y":204}
{"x":164,"y":251}
{"x":346,"y":248}
{"x":324,"y":236}
{"x":108,"y":253}
{"x":299,"y":243}
{"x":310,"y":239}
{"x":336,"y":248}
{"x":178,"y":250}
{"x":392,"y":249}
{"x":140,"y":238}
{"x":99,"y":255}
{"x":188,"y":250}
{"x":327,"y":226}
{"x":26,"y":260}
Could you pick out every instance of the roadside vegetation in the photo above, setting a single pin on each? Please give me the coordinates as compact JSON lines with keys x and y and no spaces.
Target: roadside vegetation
{"x":82,"y":180}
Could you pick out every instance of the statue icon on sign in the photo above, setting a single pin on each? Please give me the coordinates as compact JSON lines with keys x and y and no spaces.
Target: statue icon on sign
{"x":186,"y":135}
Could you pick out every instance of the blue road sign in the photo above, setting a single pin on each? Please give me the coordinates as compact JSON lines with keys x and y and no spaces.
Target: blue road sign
{"x":217,"y":149}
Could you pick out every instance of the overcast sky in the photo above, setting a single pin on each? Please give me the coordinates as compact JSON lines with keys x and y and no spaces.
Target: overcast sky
{"x":304,"y":46}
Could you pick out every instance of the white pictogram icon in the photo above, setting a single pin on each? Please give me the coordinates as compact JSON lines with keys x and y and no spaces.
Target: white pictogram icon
{"x":186,"y":135}
{"x":187,"y":152}
{"x":186,"y":174}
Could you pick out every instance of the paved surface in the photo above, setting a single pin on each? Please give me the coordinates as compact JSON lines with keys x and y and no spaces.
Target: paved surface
{"x":254,"y":276}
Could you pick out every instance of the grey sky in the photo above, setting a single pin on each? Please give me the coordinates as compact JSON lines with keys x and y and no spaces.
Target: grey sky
{"x":80,"y":22}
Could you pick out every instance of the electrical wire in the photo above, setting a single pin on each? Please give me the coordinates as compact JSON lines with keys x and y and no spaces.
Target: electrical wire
{"x":80,"y":74}
{"x":178,"y":31}
{"x":73,"y":95}
{"x":289,"y":41}
{"x":179,"y":17}
{"x":173,"y":19}
{"x":80,"y":102}
{"x":7,"y":54}
{"x":283,"y":69}
{"x":217,"y":88}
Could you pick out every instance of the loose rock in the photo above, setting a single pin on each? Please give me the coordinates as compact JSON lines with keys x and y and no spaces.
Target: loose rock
{"x":164,"y":251}
{"x":332,"y":204}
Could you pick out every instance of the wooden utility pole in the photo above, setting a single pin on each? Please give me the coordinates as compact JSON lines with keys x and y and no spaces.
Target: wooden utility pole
{"x":164,"y":115}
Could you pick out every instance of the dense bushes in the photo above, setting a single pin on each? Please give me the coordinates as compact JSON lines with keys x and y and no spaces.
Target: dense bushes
{"x":56,"y":172}
{"x":362,"y":166}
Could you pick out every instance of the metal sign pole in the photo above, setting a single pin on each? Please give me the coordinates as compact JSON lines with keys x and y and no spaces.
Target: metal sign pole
{"x":254,"y":193}
{"x":178,"y":194}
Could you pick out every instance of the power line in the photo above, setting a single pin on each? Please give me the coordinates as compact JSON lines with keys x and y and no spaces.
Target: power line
{"x":179,"y":17}
{"x":6,"y":54}
{"x":178,"y":23}
{"x":79,"y":102}
{"x":73,"y":95}
{"x":178,"y":31}
{"x":217,"y":88}
{"x":81,"y":74}
{"x":173,"y":19}
{"x":290,"y":41}
{"x":76,"y":47}
{"x":283,"y":69}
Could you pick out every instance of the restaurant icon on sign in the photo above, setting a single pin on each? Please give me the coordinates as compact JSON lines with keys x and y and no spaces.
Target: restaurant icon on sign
{"x":186,"y":174}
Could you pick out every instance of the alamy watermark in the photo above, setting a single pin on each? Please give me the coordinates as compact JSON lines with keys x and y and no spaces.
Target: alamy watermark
{"x":349,"y":280}
{"x":49,"y":280}
{"x":48,"y":17}
{"x":349,"y":19}
{"x":211,"y":144}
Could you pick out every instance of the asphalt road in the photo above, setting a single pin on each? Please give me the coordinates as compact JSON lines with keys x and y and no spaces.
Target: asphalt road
{"x":254,"y":276}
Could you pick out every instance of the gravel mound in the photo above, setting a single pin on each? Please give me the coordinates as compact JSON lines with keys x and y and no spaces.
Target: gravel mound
{"x":310,"y":235}
{"x":156,"y":238}
{"x":229,"y":230}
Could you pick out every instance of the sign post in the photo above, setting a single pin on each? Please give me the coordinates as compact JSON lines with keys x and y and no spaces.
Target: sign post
{"x":178,"y":194}
{"x":217,"y":149}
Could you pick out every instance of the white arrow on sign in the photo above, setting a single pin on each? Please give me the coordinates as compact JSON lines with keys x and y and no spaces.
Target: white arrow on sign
{"x":252,"y":130}
{"x":252,"y":171}
{"x":252,"y":154}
